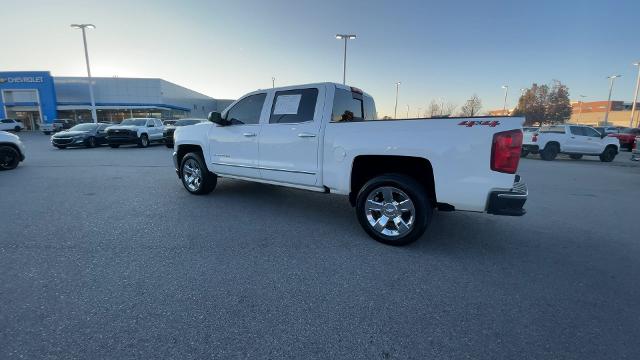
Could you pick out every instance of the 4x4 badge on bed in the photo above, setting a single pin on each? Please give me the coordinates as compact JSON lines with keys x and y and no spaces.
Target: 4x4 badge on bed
{"x":470,"y":123}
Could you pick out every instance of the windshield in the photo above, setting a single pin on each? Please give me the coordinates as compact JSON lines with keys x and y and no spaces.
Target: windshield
{"x":187,"y":122}
{"x":83,"y":127}
{"x":135,"y":122}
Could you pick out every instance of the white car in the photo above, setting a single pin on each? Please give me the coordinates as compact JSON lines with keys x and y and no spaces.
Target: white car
{"x":573,"y":140}
{"x":11,"y":151}
{"x":11,"y":124}
{"x":324,"y":137}
{"x":140,"y":131}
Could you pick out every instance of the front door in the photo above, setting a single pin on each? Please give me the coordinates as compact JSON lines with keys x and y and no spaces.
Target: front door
{"x":289,"y":138}
{"x":234,"y":148}
{"x":593,"y":141}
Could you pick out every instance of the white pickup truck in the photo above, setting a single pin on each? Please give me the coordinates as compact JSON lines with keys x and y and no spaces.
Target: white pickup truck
{"x":570,"y":139}
{"x":323,"y":137}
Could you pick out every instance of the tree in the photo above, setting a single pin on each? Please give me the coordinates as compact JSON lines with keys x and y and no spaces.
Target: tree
{"x":433,"y":109}
{"x":471,"y":107}
{"x":558,"y":103}
{"x":448,"y":109}
{"x":533,"y":104}
{"x":544,"y":104}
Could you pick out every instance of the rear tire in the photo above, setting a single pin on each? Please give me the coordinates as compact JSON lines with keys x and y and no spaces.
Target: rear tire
{"x":524,"y":153}
{"x":576,"y":156}
{"x":114,"y":146}
{"x":608,"y":154}
{"x":17,"y":129}
{"x":398,"y":201}
{"x":550,"y":152}
{"x":195,"y":176}
{"x":9,"y":158}
{"x":143,"y":142}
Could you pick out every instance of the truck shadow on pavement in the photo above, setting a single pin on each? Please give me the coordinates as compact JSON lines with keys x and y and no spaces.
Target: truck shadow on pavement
{"x":309,"y":218}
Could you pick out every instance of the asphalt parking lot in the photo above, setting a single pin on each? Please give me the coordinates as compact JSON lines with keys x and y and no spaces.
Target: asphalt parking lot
{"x":103,"y":254}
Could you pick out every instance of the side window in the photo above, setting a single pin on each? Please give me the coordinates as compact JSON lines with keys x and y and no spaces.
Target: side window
{"x":347,"y":106}
{"x":590,"y":132}
{"x":293,"y":106}
{"x":577,"y":130}
{"x":150,"y":123}
{"x":247,"y":111}
{"x":158,"y":123}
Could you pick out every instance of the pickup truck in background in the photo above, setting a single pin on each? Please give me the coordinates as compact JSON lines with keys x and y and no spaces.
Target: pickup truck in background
{"x":573,"y":140}
{"x":139,"y":131}
{"x":626,"y":137}
{"x":325,"y":137}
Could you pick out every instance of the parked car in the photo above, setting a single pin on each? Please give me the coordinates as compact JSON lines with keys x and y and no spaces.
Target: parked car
{"x":11,"y":124}
{"x":627,"y":137}
{"x":140,"y":131}
{"x":12,"y":151}
{"x":395,"y":173}
{"x":573,"y":140}
{"x":170,"y":129}
{"x":169,"y":122}
{"x":57,"y":125}
{"x":87,"y":134}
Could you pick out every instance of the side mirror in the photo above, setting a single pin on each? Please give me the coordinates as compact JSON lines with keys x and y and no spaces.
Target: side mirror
{"x":216,"y":118}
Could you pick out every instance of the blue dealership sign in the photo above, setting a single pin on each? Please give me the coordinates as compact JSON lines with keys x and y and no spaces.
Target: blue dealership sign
{"x":41,"y":81}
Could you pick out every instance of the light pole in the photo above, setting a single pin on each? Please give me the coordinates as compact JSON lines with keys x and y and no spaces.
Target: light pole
{"x":611,"y":78}
{"x":580,"y":102}
{"x":273,"y":82}
{"x":395,"y":108}
{"x":506,"y":92}
{"x":345,"y":37}
{"x":83,"y":27}
{"x":635,"y":96}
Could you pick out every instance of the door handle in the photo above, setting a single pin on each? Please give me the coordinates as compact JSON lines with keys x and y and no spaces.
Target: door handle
{"x":306,"y":135}
{"x":249,"y":134}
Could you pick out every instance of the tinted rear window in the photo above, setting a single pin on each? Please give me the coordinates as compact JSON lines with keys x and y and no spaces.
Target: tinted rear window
{"x":293,"y":106}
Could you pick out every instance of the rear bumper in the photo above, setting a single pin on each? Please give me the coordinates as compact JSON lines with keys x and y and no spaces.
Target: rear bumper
{"x":509,"y":202}
{"x":530,"y":148}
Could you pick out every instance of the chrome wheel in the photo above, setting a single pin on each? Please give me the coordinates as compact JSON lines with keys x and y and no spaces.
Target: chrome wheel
{"x":192,"y":175}
{"x":390,"y":211}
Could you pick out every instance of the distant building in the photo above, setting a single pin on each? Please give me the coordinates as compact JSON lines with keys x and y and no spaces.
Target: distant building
{"x":36,"y":97}
{"x":593,"y":112}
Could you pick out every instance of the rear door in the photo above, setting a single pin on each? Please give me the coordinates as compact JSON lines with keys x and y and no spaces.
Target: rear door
{"x":290,"y":136}
{"x":576,"y":141}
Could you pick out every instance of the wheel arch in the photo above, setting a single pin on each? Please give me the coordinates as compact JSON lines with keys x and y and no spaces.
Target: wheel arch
{"x":366,"y":167}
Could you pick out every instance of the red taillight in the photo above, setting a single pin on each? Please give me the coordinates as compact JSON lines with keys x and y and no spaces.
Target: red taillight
{"x":505,"y":151}
{"x":534,"y":138}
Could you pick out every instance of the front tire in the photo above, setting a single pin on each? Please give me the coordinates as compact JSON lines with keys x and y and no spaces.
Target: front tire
{"x":9,"y":158}
{"x":550,"y":152}
{"x":608,"y":154}
{"x":91,"y":142}
{"x":393,"y":209}
{"x":143,"y":142}
{"x":195,"y":176}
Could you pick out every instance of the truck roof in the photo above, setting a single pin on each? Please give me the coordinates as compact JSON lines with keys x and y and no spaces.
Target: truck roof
{"x":297,"y":86}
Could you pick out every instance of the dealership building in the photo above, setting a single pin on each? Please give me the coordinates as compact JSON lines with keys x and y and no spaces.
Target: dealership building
{"x":35,"y":97}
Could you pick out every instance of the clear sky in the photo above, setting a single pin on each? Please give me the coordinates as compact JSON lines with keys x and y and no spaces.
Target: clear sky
{"x":437,"y":49}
